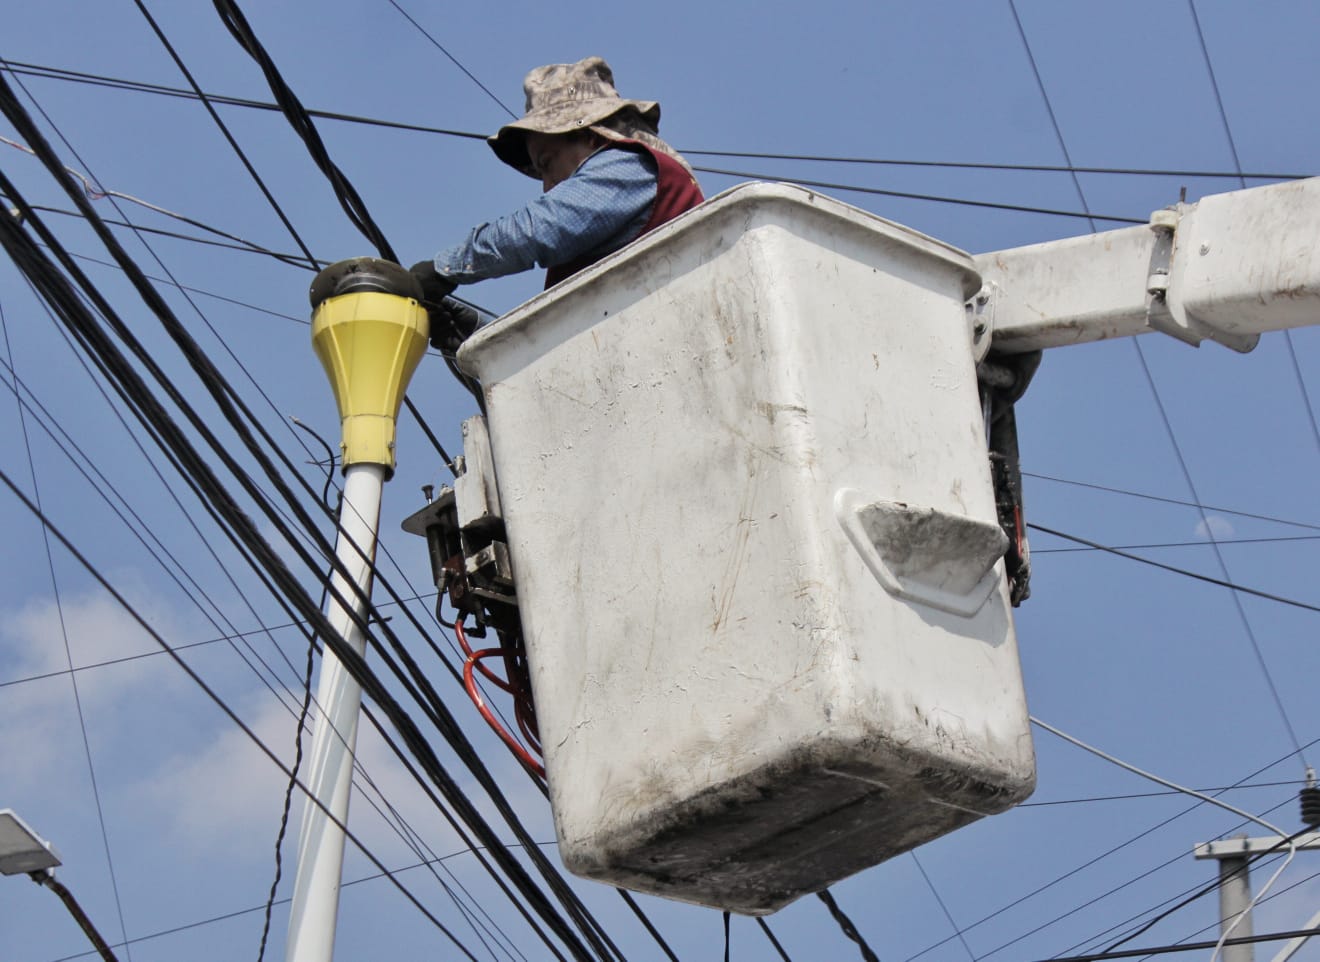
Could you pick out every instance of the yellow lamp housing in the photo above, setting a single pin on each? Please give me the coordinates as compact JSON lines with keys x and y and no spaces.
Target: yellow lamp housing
{"x":370,"y":333}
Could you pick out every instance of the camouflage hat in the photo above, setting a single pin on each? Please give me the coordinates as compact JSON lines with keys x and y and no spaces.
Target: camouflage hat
{"x":561,"y":98}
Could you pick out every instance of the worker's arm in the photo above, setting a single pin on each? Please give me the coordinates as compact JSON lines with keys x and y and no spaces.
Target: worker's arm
{"x":604,"y":205}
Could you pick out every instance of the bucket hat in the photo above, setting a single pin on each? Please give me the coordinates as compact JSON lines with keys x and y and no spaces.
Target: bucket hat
{"x":564,"y":97}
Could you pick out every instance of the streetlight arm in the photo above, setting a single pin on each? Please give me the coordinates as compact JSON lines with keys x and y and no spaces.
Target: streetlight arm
{"x":47,"y":878}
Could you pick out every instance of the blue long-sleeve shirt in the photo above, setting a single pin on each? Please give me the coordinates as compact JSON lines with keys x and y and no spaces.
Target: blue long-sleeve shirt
{"x":600,"y":208}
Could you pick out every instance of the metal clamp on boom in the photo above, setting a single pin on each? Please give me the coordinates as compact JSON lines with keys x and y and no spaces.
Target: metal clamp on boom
{"x":1164,"y":310}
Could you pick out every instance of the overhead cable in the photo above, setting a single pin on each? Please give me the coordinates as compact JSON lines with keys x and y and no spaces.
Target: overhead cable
{"x":344,"y":191}
{"x":234,"y":19}
{"x":1181,"y":571}
{"x":454,"y":60}
{"x":1077,"y":184}
{"x":1169,"y":794}
{"x":1242,"y":180}
{"x":1187,"y":896}
{"x":243,"y":158}
{"x":68,"y":654}
{"x":963,"y":202}
{"x":239,"y":244}
{"x":96,"y":192}
{"x":1285,"y":840}
{"x":134,"y":86}
{"x":169,"y":436}
{"x":846,"y":924}
{"x":213,"y":695}
{"x":1177,"y":858}
{"x":1270,"y":685}
{"x":197,"y":591}
{"x":962,"y":937}
{"x":1185,"y":947}
{"x":1057,"y":880}
{"x":971,"y":165}
{"x":1177,"y":501}
{"x":1185,"y":544}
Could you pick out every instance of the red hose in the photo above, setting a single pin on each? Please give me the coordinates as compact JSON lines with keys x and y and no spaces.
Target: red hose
{"x":523,"y":710}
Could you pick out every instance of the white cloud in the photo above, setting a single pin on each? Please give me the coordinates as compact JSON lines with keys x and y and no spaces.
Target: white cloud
{"x":40,"y":717}
{"x":205,"y":796}
{"x":1213,"y":527}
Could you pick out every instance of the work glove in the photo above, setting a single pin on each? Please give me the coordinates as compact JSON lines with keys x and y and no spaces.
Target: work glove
{"x":435,"y":286}
{"x":452,"y":323}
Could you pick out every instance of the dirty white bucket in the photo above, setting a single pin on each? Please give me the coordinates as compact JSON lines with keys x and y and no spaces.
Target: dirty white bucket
{"x":744,"y":477}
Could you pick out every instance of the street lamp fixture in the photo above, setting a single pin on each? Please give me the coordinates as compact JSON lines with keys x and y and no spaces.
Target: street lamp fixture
{"x":23,"y":851}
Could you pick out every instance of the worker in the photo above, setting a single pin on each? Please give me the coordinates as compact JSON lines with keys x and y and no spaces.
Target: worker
{"x":607,"y":178}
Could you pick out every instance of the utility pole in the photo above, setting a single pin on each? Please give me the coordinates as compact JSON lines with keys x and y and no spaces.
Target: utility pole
{"x":370,"y":332}
{"x":1234,"y":856}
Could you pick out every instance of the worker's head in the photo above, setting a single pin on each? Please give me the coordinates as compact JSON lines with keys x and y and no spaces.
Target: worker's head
{"x":554,"y":157}
{"x":573,"y":98}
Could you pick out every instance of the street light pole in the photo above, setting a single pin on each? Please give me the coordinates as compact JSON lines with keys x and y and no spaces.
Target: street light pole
{"x":370,"y":332}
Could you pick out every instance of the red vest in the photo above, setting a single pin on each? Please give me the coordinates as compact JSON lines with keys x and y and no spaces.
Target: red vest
{"x":675,"y":192}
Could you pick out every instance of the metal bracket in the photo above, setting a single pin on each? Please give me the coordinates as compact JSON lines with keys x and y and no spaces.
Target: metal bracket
{"x":464,"y":530}
{"x":1174,"y":320}
{"x":981,"y":320}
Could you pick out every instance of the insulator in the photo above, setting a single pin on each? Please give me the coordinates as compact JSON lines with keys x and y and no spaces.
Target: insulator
{"x":1310,"y":797}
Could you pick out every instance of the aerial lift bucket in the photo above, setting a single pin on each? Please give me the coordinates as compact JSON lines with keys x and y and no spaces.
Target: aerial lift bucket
{"x":743,"y":472}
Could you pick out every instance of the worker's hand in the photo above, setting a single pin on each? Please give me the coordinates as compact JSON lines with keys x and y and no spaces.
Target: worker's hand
{"x":451,"y":324}
{"x":435,"y":286}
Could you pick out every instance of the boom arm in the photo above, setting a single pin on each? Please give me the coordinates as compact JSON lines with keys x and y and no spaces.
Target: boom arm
{"x":1227,"y":268}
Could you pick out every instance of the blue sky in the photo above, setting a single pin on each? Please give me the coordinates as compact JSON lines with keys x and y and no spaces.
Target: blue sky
{"x":1155,"y":668}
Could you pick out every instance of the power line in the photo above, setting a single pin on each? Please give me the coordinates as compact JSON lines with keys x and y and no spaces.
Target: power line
{"x":1049,"y":109}
{"x":1237,"y":165}
{"x":134,"y":86}
{"x":402,"y":829}
{"x":1177,"y":501}
{"x":238,"y":26}
{"x":1186,"y":947}
{"x":1184,"y":544}
{"x":454,"y":60}
{"x":226,"y":916}
{"x":962,"y":202}
{"x":235,"y":524}
{"x":1177,"y":901}
{"x":1214,"y":86}
{"x":341,"y":186}
{"x":1223,"y":583}
{"x":1169,"y":794}
{"x":969,"y":165}
{"x":1127,"y":766}
{"x":213,"y":695}
{"x":68,"y":651}
{"x":943,"y":908}
{"x":224,"y":130}
{"x":1237,"y":601}
{"x":1066,"y":875}
{"x":1270,"y":898}
{"x":1219,"y":555}
{"x":846,"y":924}
{"x":239,"y":244}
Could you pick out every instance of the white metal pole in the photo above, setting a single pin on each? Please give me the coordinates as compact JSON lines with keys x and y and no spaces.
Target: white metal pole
{"x":330,"y":761}
{"x":1289,"y":950}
